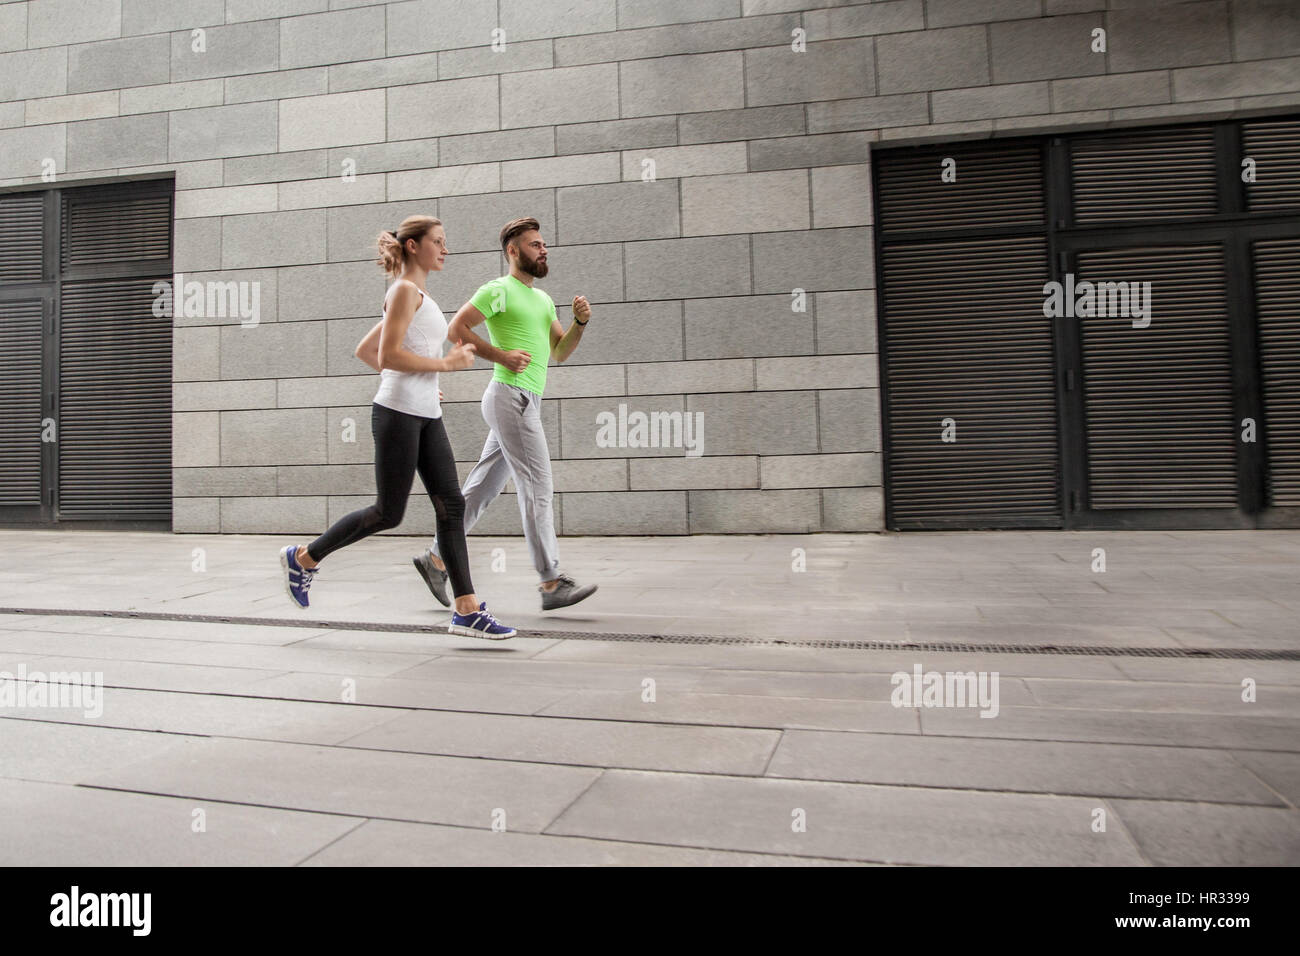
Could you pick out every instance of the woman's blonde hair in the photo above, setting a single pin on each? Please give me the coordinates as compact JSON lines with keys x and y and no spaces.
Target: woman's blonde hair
{"x":392,"y":244}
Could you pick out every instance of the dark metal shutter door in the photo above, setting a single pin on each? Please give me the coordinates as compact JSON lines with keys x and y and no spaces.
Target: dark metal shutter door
{"x":1275,"y":148}
{"x":994,"y":188}
{"x":1277,"y":284}
{"x":964,"y":337}
{"x":1158,"y":400}
{"x":967,"y":340}
{"x":21,"y":242}
{"x":98,"y":229}
{"x":1161,"y":174}
{"x":115,"y":360}
{"x":20,"y":402}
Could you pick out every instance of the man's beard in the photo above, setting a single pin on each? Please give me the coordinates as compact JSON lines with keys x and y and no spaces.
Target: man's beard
{"x":534,"y":267}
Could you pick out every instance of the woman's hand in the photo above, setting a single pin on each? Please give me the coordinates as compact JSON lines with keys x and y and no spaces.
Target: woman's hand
{"x":460,"y":357}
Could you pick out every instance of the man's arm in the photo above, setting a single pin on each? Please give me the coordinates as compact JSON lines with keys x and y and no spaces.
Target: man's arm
{"x":563,"y":343}
{"x":462,"y":330}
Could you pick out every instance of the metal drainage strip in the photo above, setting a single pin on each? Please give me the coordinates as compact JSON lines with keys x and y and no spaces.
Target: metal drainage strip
{"x":932,"y":647}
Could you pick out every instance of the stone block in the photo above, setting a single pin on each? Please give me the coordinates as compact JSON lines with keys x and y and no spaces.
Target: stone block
{"x":753,"y":512}
{"x":220,"y":131}
{"x":747,"y":202}
{"x":685,"y":268}
{"x":682,"y":84}
{"x":828,"y":70}
{"x":730,"y":327}
{"x":340,"y":36}
{"x":278,"y":349}
{"x":273,"y":436}
{"x":196,"y":439}
{"x":618,"y":211}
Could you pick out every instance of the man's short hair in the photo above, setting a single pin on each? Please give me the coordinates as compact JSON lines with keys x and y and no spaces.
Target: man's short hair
{"x":515,"y":228}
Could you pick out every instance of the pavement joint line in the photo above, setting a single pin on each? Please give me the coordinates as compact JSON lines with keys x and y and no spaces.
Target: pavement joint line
{"x":568,"y":806}
{"x":1112,"y":811}
{"x":1193,"y":653}
{"x":422,"y":708}
{"x":1283,"y":803}
{"x":1232,"y":755}
{"x":464,"y":826}
{"x":816,"y":781}
{"x":921,"y":732}
{"x":341,"y":836}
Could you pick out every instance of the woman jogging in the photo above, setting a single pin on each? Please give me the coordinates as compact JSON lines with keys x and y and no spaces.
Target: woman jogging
{"x":406,"y":420}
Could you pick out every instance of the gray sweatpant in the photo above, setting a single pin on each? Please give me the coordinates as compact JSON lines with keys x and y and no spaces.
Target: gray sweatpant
{"x":515,"y":448}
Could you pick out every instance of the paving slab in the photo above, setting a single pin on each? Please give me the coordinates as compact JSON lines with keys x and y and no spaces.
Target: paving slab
{"x":590,"y":743}
{"x":429,"y":645}
{"x":363,"y":783}
{"x":1165,"y":697}
{"x":163,"y":650}
{"x":1281,"y":771}
{"x":821,"y":665}
{"x":500,"y":698}
{"x":171,"y":630}
{"x":1026,"y":766}
{"x":64,"y":753}
{"x":147,"y":675}
{"x":556,"y":674}
{"x":1199,"y":834}
{"x":80,"y":826}
{"x":737,"y":710}
{"x":845,"y":821}
{"x":1117,"y":726}
{"x":1229,"y":671}
{"x":384,"y":843}
{"x":218,"y":716}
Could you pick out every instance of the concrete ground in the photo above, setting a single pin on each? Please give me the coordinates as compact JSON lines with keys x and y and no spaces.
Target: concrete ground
{"x":659,"y":722}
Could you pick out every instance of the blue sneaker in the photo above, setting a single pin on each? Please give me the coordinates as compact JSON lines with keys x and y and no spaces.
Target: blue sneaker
{"x":479,"y":624}
{"x":297,"y":579}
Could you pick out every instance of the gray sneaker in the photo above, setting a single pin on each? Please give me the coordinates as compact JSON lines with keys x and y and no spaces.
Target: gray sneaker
{"x":566,"y":592}
{"x":437,"y":580}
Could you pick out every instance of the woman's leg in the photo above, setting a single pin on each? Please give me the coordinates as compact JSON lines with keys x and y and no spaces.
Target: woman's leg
{"x":437,"y":467}
{"x":397,"y":440}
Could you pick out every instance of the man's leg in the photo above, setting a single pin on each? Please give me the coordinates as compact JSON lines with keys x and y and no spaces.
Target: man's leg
{"x":516,"y":420}
{"x":486,"y":480}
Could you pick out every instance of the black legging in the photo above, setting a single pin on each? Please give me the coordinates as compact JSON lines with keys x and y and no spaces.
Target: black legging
{"x":405,"y":444}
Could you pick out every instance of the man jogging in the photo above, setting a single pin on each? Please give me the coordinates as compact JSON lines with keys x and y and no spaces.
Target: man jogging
{"x":525,"y":332}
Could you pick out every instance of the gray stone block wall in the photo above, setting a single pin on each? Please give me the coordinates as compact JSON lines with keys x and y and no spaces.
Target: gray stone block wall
{"x":705,"y":184}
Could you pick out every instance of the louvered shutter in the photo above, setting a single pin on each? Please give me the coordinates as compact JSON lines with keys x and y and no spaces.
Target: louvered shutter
{"x":115,"y":229}
{"x":20,"y":403}
{"x":1158,"y":400}
{"x":968,"y":341}
{"x":1277,"y":285}
{"x":1275,"y":148}
{"x":964,"y":338}
{"x":21,"y":243}
{"x":115,"y":357}
{"x":21,"y":320}
{"x":991,"y":188}
{"x":1142,"y":177}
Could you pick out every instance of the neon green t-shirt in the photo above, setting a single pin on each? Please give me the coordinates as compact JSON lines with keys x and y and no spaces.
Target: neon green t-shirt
{"x":518,"y":317}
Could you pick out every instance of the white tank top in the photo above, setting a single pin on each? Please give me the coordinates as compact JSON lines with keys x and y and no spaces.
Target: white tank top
{"x":416,"y":393}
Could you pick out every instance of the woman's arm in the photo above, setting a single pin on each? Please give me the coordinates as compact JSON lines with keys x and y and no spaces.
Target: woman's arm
{"x":392,"y":330}
{"x":368,"y":349}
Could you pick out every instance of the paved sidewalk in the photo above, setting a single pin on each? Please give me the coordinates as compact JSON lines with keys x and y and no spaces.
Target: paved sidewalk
{"x":298,"y":741}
